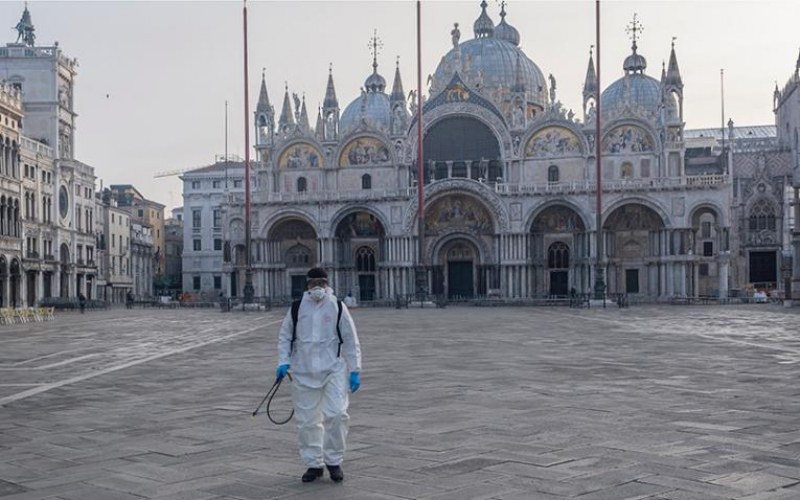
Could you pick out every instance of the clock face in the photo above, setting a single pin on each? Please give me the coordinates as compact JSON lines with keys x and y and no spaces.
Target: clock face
{"x":63,"y":202}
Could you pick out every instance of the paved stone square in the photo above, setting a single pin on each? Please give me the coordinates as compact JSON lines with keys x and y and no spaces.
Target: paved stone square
{"x":457,"y":403}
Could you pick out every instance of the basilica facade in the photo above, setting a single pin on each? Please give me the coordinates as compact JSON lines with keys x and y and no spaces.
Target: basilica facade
{"x":509,"y":186}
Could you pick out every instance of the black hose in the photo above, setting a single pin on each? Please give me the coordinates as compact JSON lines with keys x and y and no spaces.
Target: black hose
{"x":268,"y":399}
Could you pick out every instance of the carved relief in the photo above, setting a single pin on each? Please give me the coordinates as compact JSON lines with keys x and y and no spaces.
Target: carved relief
{"x":300,"y":155}
{"x":457,"y":211}
{"x":551,"y":142}
{"x":633,"y":217}
{"x":365,"y":151}
{"x":558,"y":219}
{"x":627,"y":139}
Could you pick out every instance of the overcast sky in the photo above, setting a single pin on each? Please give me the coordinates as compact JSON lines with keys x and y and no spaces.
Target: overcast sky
{"x":153,"y":77}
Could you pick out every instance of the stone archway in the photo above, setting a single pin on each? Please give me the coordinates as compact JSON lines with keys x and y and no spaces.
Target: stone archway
{"x":64,"y":255}
{"x":292,"y":244}
{"x":631,"y":239}
{"x":358,"y":248}
{"x":15,"y":283}
{"x":458,"y":275}
{"x":560,"y":252}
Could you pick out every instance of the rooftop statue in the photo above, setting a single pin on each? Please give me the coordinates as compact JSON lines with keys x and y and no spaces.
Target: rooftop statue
{"x":25,"y":29}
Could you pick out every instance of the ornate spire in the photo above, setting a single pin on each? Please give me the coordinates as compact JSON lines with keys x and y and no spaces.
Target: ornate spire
{"x":397,"y":87}
{"x":303,"y":122}
{"x":318,"y":129}
{"x":483,"y":26}
{"x":330,"y":92}
{"x":590,"y":83}
{"x":505,"y":31}
{"x":634,"y":63}
{"x":673,"y":72}
{"x":375,"y":82}
{"x":287,"y":118}
{"x":263,"y":105}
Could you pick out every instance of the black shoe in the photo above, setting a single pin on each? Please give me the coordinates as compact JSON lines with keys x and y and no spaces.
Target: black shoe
{"x":336,"y":472}
{"x":312,"y":474}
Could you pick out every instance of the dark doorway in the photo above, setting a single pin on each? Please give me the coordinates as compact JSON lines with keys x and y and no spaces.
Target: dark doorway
{"x":632,"y":281}
{"x":298,"y":285}
{"x":763,"y":268}
{"x":30,"y":288}
{"x":234,"y":284}
{"x":559,"y":281}
{"x":459,"y":280}
{"x":366,"y":285}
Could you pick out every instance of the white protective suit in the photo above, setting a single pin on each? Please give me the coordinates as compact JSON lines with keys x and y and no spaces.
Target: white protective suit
{"x":320,"y":377}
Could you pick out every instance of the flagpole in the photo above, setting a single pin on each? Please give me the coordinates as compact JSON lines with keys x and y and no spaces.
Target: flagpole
{"x":421,"y":275}
{"x":599,"y":276}
{"x":248,"y":272}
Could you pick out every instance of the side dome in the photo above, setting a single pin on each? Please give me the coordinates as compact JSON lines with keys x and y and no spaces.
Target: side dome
{"x":634,"y":89}
{"x":373,"y":107}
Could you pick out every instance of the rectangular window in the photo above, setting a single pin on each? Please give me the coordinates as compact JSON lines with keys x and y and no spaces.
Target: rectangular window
{"x":112,"y":218}
{"x":217,"y":244}
{"x":196,"y":218}
{"x":141,"y":213}
{"x":217,"y":218}
{"x":197,"y":245}
{"x":216,"y":184}
{"x":708,"y":249}
{"x":195,"y":184}
{"x":196,"y":282}
{"x":217,"y":282}
{"x":237,"y":184}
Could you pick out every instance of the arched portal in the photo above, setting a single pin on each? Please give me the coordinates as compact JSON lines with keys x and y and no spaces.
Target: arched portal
{"x":632,"y":235}
{"x":458,"y":275}
{"x":291,"y":242}
{"x":560,"y":250}
{"x":359,"y":241}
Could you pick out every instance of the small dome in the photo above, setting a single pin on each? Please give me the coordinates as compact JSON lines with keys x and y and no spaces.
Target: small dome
{"x":375,"y":82}
{"x":505,"y":31}
{"x":635,"y":63}
{"x":483,"y":26}
{"x":373,"y":107}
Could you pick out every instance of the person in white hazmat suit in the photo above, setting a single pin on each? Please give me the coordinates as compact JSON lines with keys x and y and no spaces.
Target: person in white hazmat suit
{"x":324,"y":367}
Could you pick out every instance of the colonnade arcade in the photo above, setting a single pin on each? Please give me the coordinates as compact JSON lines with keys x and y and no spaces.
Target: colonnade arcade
{"x":468,"y":255}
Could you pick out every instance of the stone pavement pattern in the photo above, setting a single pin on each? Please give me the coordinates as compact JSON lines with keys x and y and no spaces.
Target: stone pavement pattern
{"x":457,"y":403}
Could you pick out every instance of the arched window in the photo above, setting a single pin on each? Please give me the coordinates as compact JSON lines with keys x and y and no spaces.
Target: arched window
{"x":627,"y":170}
{"x":365,"y":260}
{"x":552,"y":174}
{"x":558,"y":256}
{"x":366,"y":181}
{"x":301,"y":185}
{"x":459,"y":169}
{"x":441,"y":170}
{"x":762,"y":216}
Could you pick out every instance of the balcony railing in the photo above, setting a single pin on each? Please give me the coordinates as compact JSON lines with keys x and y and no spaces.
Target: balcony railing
{"x":32,"y":255}
{"x":502,"y":188}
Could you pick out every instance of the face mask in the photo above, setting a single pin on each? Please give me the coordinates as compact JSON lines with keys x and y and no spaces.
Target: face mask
{"x":317,"y":293}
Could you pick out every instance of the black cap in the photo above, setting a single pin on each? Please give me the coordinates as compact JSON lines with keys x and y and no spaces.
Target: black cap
{"x":316,"y":273}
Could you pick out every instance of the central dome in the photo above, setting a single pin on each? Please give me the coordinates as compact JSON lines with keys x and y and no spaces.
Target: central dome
{"x":491,"y":64}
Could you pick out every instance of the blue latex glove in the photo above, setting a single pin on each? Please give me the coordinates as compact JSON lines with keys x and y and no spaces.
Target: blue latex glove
{"x":355,"y":381}
{"x":282,"y":371}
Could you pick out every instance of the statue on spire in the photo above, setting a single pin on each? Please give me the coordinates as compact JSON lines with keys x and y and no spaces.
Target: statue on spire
{"x":25,"y":28}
